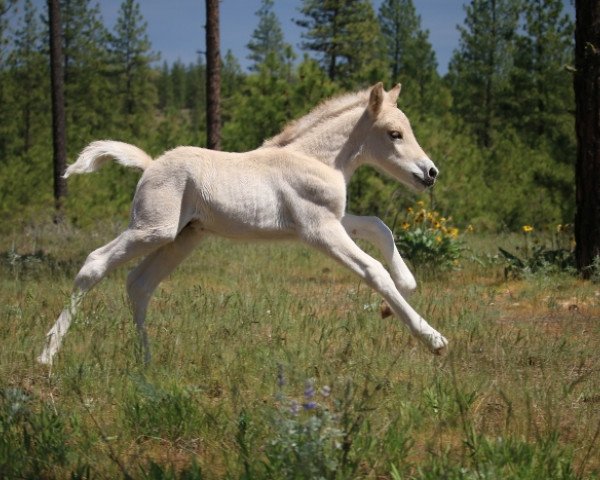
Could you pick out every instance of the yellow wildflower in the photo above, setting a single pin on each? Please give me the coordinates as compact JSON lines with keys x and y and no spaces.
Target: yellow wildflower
{"x":409,"y":210}
{"x":438,"y":239}
{"x":470,"y":228}
{"x":453,"y":232}
{"x":405,"y":226}
{"x":421,"y":203}
{"x":527,"y":228}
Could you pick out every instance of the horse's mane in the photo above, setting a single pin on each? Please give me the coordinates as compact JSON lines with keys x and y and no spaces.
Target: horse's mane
{"x":326,"y":110}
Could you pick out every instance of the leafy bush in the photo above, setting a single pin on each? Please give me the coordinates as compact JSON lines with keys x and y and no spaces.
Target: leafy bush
{"x":537,"y":256}
{"x":427,"y":238}
{"x":31,"y":442}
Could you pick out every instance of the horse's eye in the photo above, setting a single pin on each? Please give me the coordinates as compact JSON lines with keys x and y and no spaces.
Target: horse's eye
{"x":395,"y":135}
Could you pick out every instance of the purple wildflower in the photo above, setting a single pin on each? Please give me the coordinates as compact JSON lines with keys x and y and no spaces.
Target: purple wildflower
{"x":280,"y":376}
{"x":309,"y":405}
{"x":309,"y":389}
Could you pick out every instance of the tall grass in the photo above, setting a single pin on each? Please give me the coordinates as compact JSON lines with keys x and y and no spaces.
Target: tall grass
{"x":516,"y":397}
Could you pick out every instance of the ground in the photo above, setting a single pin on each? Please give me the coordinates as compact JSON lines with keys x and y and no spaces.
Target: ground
{"x":239,"y":330}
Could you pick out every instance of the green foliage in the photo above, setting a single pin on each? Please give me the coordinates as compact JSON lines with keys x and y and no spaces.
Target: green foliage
{"x":156,"y":412}
{"x":347,"y":38}
{"x":537,"y":255}
{"x":268,"y":39}
{"x":307,"y":438}
{"x":499,"y":126}
{"x":32,"y":442}
{"x":427,"y":238}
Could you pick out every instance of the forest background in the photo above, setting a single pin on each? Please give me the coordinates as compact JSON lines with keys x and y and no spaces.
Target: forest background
{"x":499,"y":124}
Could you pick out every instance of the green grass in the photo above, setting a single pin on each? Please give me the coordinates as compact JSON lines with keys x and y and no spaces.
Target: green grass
{"x":516,"y":397}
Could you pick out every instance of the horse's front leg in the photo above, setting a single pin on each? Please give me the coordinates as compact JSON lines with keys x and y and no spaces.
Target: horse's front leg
{"x":332,"y":238}
{"x":373,"y":230}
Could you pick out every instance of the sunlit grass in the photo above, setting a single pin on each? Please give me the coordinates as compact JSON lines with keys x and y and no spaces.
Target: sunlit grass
{"x":517,"y":395}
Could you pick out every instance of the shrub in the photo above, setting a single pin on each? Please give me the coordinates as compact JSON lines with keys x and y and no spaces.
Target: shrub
{"x":427,"y":238}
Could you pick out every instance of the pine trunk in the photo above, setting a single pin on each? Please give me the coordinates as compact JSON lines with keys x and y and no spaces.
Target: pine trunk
{"x":59,"y":137}
{"x":213,"y":76}
{"x":587,"y":124}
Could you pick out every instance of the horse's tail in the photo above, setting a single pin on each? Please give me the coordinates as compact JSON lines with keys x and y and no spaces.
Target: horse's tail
{"x":98,"y":153}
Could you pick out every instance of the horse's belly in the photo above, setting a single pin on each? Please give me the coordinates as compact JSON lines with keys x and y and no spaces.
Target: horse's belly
{"x":252,"y":215}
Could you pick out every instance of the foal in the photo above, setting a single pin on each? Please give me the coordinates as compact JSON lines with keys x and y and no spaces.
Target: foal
{"x":292,"y":187}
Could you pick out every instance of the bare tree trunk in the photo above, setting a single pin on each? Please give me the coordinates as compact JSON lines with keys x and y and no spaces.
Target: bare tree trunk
{"x":213,"y":76}
{"x":59,"y":136}
{"x":587,"y":125}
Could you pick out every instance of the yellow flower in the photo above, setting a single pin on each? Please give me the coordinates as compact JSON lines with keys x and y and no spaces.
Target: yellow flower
{"x":559,"y":228}
{"x":527,"y":228}
{"x":438,"y":239}
{"x":405,"y":226}
{"x":437,"y":225}
{"x":454,"y":232}
{"x":470,"y":228}
{"x":421,"y":203}
{"x":409,"y":210}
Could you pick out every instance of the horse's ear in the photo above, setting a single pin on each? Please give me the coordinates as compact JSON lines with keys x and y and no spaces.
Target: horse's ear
{"x":376,"y":99}
{"x":394,"y":93}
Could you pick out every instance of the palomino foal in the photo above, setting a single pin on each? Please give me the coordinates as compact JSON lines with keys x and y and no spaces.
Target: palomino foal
{"x":292,"y":187}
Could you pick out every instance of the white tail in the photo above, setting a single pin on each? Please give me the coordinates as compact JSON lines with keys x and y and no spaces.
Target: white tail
{"x":98,"y":153}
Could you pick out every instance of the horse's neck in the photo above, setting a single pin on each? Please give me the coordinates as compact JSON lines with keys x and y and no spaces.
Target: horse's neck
{"x":337,"y":142}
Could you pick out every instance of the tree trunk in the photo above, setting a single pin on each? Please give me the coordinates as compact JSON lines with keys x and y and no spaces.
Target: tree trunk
{"x":213,"y":76}
{"x":59,"y":136}
{"x":587,"y":125}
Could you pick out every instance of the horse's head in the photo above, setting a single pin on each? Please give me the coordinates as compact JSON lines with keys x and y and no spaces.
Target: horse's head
{"x":391,"y":145}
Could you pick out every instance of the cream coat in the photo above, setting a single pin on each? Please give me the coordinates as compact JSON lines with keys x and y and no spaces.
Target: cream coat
{"x":293,"y":187}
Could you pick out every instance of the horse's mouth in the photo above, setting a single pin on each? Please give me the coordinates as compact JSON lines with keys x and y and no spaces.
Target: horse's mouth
{"x":424,"y":182}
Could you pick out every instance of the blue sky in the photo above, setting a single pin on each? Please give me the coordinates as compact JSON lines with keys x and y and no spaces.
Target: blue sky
{"x":176,"y":27}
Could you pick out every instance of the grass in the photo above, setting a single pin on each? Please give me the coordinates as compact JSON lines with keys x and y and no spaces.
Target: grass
{"x":516,"y":397}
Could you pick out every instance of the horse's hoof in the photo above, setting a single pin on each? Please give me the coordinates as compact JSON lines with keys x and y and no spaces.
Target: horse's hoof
{"x":385,"y":310}
{"x":438,"y":345}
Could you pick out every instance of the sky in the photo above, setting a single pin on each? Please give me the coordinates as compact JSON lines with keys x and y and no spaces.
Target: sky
{"x":176,"y":30}
{"x":176,"y":27}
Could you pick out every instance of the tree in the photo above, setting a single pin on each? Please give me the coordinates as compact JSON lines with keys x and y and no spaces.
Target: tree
{"x":478,"y":70}
{"x":268,"y":38}
{"x":345,"y":34}
{"x":28,"y":65}
{"x":587,"y":99}
{"x":410,"y":56}
{"x":6,"y":83}
{"x":213,"y":76}
{"x":59,"y":129}
{"x":545,"y":94}
{"x":131,"y":53}
{"x":90,"y":99}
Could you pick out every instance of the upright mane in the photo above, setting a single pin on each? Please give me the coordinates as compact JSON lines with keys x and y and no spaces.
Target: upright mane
{"x":326,"y":110}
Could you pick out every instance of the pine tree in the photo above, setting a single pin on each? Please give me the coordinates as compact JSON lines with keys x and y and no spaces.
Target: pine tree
{"x":268,"y":38}
{"x":29,"y":69}
{"x":587,"y":95}
{"x":410,"y":56}
{"x":89,"y":98}
{"x":545,"y":94}
{"x":478,"y":71}
{"x":213,"y":76}
{"x":7,"y":130}
{"x":58,"y":108}
{"x":345,"y":35}
{"x":131,"y":56}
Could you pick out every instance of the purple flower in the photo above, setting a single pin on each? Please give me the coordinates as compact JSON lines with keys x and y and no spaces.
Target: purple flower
{"x":309,"y":405}
{"x":280,"y":376}
{"x":309,"y":389}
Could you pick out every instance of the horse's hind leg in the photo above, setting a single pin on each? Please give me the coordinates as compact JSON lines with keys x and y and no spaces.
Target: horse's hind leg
{"x":130,"y":244}
{"x":143,"y":279}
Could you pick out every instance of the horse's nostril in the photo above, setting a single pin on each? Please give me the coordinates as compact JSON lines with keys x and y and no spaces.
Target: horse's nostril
{"x":433,"y":172}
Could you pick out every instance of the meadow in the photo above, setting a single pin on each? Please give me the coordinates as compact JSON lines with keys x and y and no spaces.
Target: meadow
{"x":271,"y":361}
